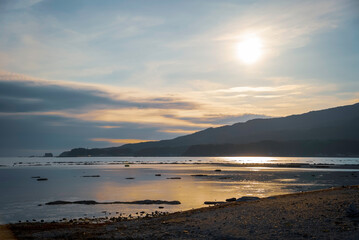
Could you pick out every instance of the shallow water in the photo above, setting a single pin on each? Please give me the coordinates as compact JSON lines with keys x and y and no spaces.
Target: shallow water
{"x":16,"y":161}
{"x":21,"y":194}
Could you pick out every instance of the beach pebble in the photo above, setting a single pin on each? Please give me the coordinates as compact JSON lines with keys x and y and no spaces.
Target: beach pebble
{"x":352,"y":211}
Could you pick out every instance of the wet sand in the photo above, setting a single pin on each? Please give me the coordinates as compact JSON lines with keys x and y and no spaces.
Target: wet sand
{"x":321,"y":214}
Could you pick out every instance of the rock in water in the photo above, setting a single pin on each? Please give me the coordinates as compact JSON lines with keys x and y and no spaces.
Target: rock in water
{"x":42,"y":179}
{"x":212,"y":202}
{"x":231,"y":199}
{"x":247,"y":198}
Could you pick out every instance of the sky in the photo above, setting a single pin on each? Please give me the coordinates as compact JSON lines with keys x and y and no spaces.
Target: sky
{"x":86,"y":73}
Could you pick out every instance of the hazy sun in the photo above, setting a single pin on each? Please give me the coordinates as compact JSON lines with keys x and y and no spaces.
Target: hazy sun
{"x":249,"y":50}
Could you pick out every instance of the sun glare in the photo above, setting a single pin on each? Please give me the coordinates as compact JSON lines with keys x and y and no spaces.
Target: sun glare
{"x":249,"y":50}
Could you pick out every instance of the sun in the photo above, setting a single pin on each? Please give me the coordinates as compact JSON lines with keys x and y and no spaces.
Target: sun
{"x":249,"y":50}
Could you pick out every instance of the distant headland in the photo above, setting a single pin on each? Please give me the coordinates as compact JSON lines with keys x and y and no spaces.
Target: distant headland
{"x":331,"y":132}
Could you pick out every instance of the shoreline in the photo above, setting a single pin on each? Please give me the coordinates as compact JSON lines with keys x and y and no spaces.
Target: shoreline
{"x":317,"y":214}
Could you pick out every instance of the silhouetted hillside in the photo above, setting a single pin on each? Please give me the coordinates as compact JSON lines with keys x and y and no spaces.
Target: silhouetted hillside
{"x":304,"y":148}
{"x":327,"y":128}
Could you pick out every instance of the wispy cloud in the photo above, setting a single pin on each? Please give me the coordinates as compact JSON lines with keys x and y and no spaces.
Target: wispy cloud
{"x":152,"y":117}
{"x":21,"y":4}
{"x":119,"y":141}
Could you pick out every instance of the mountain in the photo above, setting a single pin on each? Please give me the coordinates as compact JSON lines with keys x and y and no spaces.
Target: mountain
{"x":324,"y":128}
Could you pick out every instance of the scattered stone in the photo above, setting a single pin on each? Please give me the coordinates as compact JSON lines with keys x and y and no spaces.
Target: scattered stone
{"x":160,"y":207}
{"x":173,"y":178}
{"x":91,"y":176}
{"x":127,"y":165}
{"x":199,"y":175}
{"x":352,"y":211}
{"x":218,"y":170}
{"x":130,"y":178}
{"x":157,"y":175}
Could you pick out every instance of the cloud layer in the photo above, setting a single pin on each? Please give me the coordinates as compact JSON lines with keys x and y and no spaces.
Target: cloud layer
{"x":38,"y":114}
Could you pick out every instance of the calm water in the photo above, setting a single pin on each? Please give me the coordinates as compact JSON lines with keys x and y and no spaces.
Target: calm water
{"x":21,"y":194}
{"x":113,"y":160}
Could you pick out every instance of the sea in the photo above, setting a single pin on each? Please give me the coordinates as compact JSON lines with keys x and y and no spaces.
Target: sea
{"x":189,"y":180}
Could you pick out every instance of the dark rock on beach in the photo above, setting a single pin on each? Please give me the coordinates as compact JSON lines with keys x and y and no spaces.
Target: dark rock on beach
{"x":353,"y":211}
{"x":91,"y":176}
{"x":173,"y":178}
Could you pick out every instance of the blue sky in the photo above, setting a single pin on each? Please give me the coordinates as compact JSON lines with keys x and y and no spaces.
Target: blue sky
{"x":103,"y":73}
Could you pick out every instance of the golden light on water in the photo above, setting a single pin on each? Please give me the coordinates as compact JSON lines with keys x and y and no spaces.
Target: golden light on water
{"x":250,"y":159}
{"x":250,"y":49}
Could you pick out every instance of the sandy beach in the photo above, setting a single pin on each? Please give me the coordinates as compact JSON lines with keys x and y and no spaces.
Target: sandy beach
{"x":321,"y":214}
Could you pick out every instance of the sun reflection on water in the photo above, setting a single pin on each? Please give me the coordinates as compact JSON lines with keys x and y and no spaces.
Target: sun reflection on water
{"x":250,"y":159}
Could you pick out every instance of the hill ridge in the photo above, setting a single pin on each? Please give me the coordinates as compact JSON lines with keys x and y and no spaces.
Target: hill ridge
{"x":338,"y":123}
